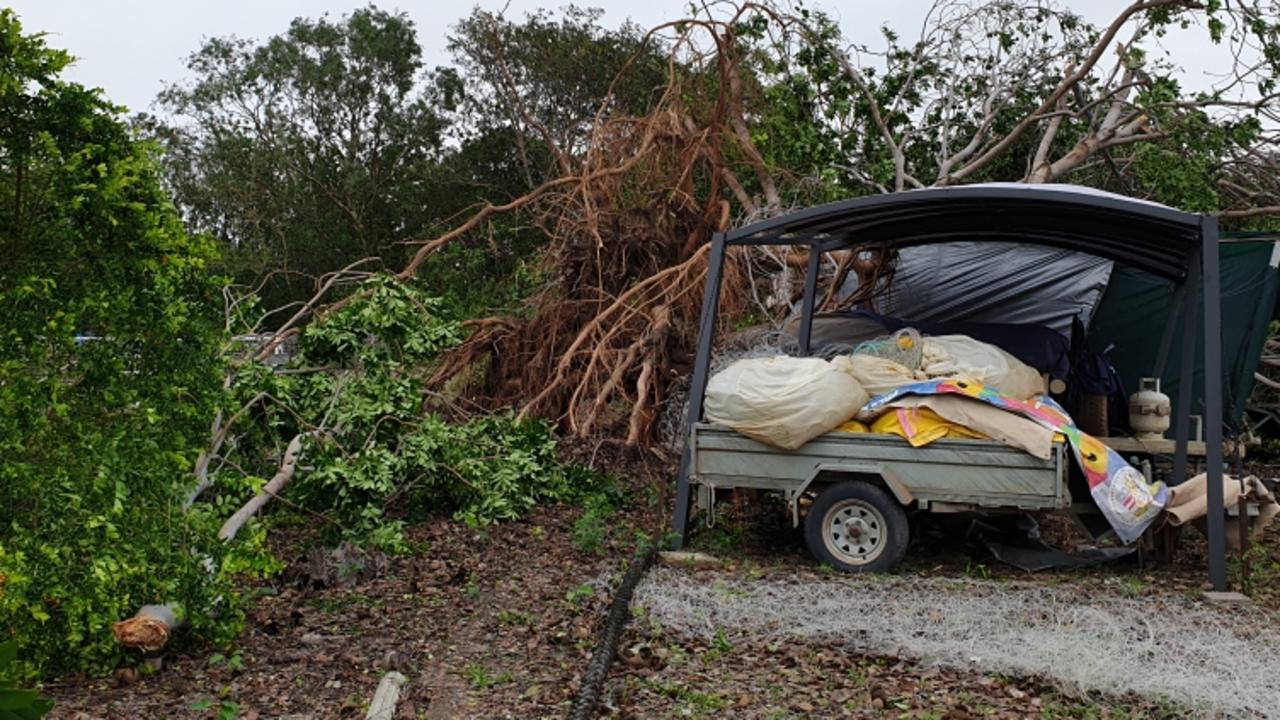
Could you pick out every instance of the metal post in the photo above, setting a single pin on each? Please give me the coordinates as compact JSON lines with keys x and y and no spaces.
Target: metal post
{"x":1213,"y":401}
{"x":698,"y":384}
{"x":810,"y":297}
{"x":1186,"y":385}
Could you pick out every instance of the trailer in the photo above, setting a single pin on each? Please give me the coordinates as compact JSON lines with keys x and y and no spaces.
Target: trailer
{"x":855,"y":490}
{"x":863,"y":483}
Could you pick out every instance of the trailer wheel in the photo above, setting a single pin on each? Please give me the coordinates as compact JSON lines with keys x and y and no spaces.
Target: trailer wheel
{"x":857,"y":527}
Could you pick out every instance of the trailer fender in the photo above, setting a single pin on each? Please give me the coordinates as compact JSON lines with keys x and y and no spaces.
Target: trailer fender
{"x":891,"y":481}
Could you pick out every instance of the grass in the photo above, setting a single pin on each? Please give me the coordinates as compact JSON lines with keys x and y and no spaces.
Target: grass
{"x":696,"y":701}
{"x":509,"y":617}
{"x":1264,"y":570}
{"x":225,"y":710}
{"x":728,"y":592}
{"x":336,"y":604}
{"x":472,"y":588}
{"x":727,"y":538}
{"x":481,"y":679}
{"x":579,"y":595}
{"x":1132,"y":587}
{"x":976,"y":571}
{"x":591,"y":531}
{"x":720,"y":646}
{"x":234,"y":663}
{"x":721,"y":642}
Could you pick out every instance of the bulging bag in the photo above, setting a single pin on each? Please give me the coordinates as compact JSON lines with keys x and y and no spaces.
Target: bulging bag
{"x":784,"y":401}
{"x":960,"y":356}
{"x":879,"y":375}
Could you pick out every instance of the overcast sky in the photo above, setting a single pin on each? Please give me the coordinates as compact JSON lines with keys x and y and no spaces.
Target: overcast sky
{"x":130,"y":48}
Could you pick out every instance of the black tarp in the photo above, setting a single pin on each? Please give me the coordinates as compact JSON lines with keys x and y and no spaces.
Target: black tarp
{"x":994,"y":282}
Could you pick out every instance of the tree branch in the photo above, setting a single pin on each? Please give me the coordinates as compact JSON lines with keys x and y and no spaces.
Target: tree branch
{"x":1062,"y":89}
{"x":288,"y":466}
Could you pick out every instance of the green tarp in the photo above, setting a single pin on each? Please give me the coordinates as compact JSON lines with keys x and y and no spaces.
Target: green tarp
{"x":1136,"y":306}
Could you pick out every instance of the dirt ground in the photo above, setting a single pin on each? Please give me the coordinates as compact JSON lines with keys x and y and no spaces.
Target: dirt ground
{"x":485,"y":624}
{"x":500,"y":623}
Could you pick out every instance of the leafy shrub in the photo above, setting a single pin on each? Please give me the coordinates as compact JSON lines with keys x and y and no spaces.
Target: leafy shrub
{"x":108,"y":378}
{"x":356,"y":389}
{"x":16,"y":704}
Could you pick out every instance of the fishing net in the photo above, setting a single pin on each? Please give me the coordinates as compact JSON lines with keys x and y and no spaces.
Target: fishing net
{"x":903,"y":347}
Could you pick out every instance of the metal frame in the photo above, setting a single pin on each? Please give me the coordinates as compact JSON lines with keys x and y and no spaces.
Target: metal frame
{"x":1210,"y":282}
{"x":1153,"y":237}
{"x":1179,"y":246}
{"x":698,"y":384}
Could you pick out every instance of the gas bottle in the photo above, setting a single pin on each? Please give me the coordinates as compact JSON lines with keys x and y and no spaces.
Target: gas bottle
{"x":1149,"y":410}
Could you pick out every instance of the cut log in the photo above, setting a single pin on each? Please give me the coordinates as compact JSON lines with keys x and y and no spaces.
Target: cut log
{"x":383,"y":705}
{"x":689,"y":560}
{"x":288,"y":465}
{"x":149,"y":629}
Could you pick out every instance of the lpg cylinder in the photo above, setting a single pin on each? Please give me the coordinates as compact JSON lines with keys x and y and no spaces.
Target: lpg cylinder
{"x":1149,"y":410}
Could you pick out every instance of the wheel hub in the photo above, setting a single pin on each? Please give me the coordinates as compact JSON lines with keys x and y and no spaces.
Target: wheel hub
{"x":855,"y":532}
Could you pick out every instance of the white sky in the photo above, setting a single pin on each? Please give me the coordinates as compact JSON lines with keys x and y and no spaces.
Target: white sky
{"x":130,"y":48}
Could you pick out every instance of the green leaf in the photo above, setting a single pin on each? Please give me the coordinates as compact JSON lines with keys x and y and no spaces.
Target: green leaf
{"x":17,"y":699}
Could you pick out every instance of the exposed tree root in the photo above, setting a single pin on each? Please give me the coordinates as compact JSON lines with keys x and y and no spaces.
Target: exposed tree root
{"x":628,"y":233}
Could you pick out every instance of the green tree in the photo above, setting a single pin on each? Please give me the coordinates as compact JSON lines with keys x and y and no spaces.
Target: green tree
{"x":1024,"y":91}
{"x":550,"y":75}
{"x":108,"y":375}
{"x":310,"y":150}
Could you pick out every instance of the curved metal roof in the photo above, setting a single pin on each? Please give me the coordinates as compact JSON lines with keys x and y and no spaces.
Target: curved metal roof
{"x":1143,"y":234}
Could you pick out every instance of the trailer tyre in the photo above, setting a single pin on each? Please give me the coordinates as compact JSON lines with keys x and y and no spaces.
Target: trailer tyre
{"x":857,"y":527}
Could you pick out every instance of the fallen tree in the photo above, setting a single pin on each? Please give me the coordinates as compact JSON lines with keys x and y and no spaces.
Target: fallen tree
{"x":763,"y":109}
{"x":361,"y":447}
{"x":991,"y":91}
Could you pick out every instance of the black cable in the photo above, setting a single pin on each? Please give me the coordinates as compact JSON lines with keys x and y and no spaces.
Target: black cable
{"x":584,"y":707}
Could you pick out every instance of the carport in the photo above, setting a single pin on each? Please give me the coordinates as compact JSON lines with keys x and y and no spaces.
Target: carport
{"x":1177,"y":246}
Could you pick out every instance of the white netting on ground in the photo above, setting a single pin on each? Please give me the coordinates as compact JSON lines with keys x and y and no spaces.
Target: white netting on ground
{"x":1213,"y":658}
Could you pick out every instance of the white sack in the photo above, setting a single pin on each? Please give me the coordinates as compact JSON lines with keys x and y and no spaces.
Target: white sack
{"x":784,"y":401}
{"x":879,"y":375}
{"x":962,"y":356}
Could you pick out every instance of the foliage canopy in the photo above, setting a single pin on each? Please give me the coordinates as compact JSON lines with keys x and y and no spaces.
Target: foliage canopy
{"x":108,"y":376}
{"x":377,"y":451}
{"x":306,"y":152}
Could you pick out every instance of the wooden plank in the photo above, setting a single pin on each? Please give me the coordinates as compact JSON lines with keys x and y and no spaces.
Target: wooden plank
{"x":1160,"y":446}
